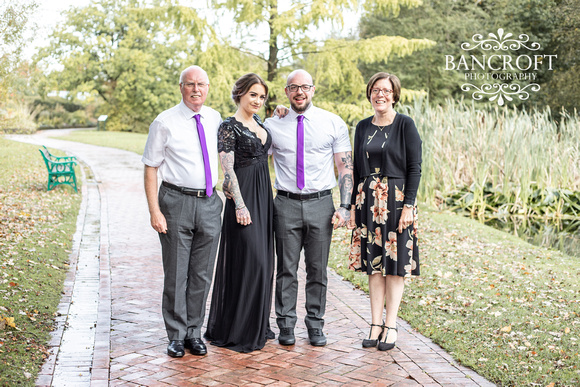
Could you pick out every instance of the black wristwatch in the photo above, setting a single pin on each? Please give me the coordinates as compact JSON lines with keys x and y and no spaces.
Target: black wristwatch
{"x":347,"y":206}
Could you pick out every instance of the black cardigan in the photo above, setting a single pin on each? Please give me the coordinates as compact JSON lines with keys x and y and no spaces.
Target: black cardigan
{"x":401,"y":155}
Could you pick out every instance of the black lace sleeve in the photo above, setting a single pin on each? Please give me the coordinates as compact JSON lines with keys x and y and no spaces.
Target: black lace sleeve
{"x":226,"y":138}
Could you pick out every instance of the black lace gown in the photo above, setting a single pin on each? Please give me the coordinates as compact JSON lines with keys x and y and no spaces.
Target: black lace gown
{"x":242,"y":292}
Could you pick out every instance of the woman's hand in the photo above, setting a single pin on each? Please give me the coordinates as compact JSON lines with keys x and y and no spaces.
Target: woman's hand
{"x":243,"y":216}
{"x":351,"y":223}
{"x":406,"y":218}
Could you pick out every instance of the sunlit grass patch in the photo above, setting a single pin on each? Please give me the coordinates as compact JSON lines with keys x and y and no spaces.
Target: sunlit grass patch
{"x":503,"y":307}
{"x":35,"y":240}
{"x":133,"y":142}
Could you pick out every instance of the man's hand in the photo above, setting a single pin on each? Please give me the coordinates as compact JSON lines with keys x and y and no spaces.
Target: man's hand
{"x":158,"y":222}
{"x":281,"y":111}
{"x":340,"y":218}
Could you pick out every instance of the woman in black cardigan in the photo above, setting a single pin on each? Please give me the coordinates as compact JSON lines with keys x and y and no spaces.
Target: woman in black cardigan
{"x":387,"y":170}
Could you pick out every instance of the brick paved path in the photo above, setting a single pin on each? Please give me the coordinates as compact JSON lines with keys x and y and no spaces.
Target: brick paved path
{"x":127,"y":340}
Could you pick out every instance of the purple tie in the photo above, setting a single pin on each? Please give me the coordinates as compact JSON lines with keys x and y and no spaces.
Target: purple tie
{"x":300,"y":153}
{"x":206,"y":166}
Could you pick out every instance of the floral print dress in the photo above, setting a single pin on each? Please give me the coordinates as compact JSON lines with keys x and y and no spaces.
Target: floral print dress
{"x":376,"y":245}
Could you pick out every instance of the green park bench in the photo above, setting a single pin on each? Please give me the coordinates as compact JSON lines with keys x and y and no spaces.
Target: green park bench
{"x":60,"y":169}
{"x":58,"y":158}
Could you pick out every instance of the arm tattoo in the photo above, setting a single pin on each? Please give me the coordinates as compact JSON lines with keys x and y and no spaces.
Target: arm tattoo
{"x":347,"y":160}
{"x":231,"y":187}
{"x":346,"y":185}
{"x":345,"y":181}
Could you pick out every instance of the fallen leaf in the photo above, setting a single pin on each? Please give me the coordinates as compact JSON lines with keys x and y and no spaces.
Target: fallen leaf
{"x":506,"y":329}
{"x":10,"y":322}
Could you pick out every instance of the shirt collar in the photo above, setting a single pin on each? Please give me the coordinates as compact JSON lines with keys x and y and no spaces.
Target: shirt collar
{"x":307,"y":114}
{"x":188,"y":113}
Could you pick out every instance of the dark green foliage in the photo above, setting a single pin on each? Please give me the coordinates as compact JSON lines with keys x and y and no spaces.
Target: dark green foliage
{"x":449,"y":23}
{"x":563,"y":89}
{"x":552,"y":23}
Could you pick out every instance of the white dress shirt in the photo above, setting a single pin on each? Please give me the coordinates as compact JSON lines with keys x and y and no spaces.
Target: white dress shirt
{"x":325,"y":134}
{"x":173,"y":146}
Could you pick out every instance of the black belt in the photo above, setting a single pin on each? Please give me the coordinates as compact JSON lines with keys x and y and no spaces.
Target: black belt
{"x":308,"y":196}
{"x":200,"y":193}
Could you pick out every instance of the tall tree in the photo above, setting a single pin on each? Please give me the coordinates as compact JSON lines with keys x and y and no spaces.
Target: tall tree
{"x":131,"y":53}
{"x":14,"y":21}
{"x":285,"y":28}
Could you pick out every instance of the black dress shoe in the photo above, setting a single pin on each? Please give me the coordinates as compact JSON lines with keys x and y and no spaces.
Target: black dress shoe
{"x":369,"y":343}
{"x":175,"y":348}
{"x":316,"y":337}
{"x":286,"y":336}
{"x":383,"y":344}
{"x":196,"y":346}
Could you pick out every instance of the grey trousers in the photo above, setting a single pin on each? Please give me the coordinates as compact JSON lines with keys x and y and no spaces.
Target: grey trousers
{"x":298,"y":224}
{"x":189,"y":252}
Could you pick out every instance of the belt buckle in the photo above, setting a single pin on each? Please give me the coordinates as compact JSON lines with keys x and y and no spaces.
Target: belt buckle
{"x":199,"y":194}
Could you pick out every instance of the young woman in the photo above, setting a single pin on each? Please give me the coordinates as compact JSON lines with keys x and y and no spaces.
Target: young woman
{"x":242,"y":293}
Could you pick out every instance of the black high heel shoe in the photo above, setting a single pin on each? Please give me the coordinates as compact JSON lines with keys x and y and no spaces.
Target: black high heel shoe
{"x":383,"y":345}
{"x":369,"y":343}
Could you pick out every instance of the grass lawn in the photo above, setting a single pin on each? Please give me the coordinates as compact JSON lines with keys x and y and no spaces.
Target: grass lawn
{"x":505,"y":308}
{"x":499,"y":305}
{"x":134,"y":142}
{"x":35,"y":240}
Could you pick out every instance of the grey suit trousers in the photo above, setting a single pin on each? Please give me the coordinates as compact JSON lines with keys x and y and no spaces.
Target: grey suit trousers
{"x":302,"y":224}
{"x":189,"y":252}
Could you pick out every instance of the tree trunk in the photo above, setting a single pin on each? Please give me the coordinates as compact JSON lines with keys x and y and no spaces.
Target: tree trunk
{"x":272,"y":58}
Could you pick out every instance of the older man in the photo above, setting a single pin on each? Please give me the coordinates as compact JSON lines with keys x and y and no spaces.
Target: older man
{"x":182,"y":147}
{"x":305,"y":144}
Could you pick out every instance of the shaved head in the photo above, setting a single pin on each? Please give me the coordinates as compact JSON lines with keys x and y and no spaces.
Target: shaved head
{"x":300,"y":100}
{"x":295,"y":73}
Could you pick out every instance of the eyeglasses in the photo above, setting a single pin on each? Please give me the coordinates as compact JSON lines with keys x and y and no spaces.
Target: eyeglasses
{"x":191,"y":85}
{"x":294,"y":88}
{"x":384,"y":91}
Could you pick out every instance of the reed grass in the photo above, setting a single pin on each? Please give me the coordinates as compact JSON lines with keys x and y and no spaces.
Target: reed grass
{"x":469,"y":150}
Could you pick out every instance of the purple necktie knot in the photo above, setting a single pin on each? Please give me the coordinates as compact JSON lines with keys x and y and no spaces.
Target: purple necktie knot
{"x":206,"y":165}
